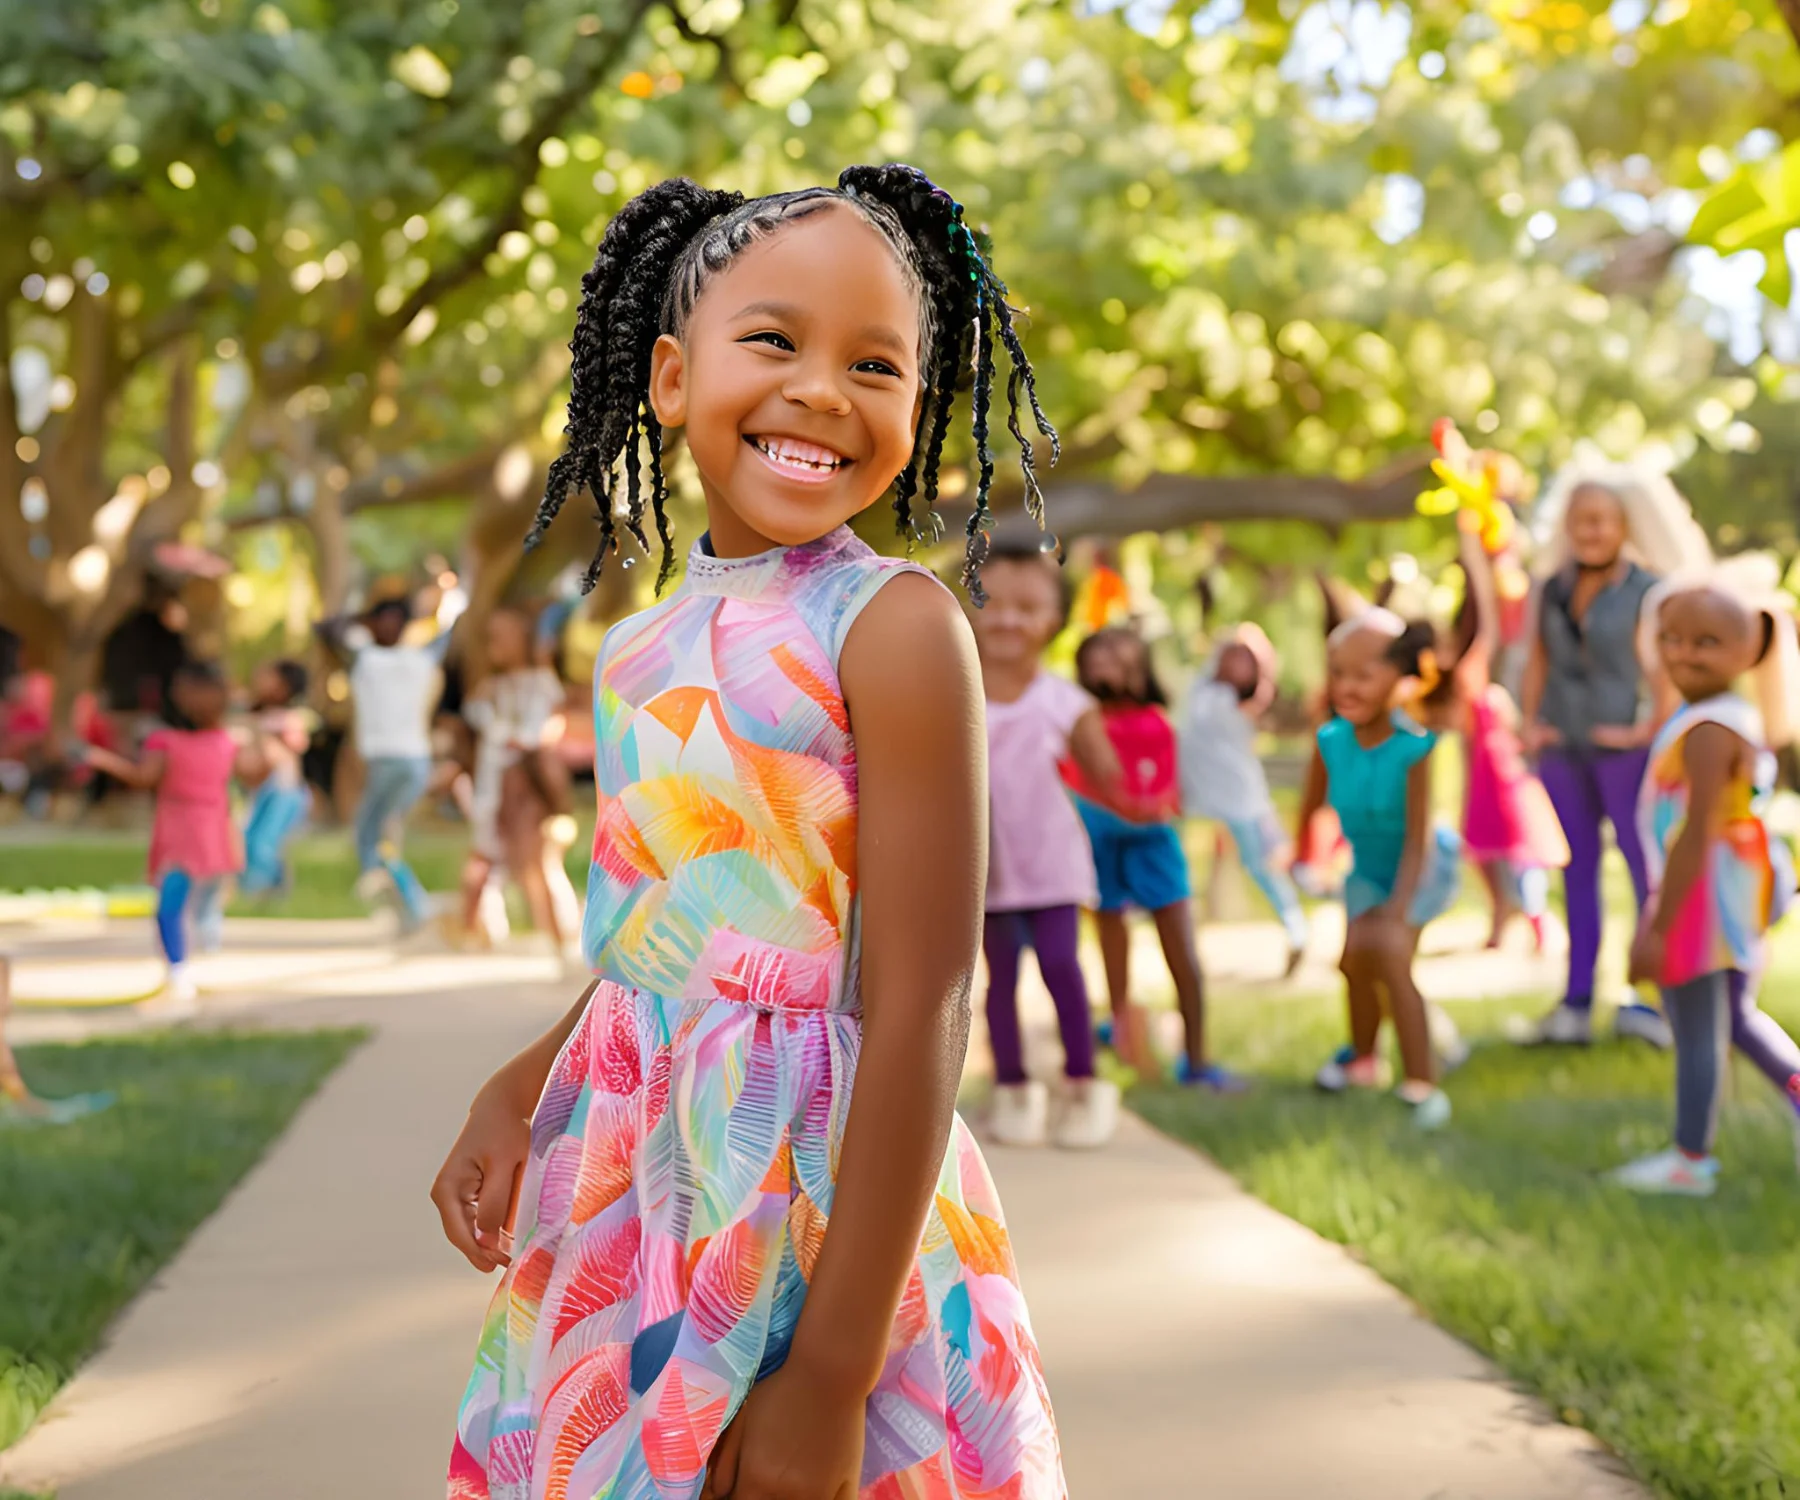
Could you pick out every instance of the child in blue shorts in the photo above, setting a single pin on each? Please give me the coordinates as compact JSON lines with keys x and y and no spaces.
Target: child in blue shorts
{"x":1372,"y":764}
{"x":1138,"y":856}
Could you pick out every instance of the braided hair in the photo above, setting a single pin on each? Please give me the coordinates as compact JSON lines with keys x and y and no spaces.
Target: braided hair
{"x":657,"y":256}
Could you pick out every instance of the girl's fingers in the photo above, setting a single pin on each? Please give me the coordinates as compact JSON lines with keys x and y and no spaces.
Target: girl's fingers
{"x":491,"y":1204}
{"x":454,"y":1194}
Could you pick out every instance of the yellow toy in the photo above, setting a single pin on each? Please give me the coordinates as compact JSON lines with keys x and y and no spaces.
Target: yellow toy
{"x":1471,"y":484}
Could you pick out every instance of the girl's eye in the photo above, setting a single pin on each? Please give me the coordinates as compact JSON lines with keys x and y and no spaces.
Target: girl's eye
{"x":769,"y":336}
{"x":875,"y":367}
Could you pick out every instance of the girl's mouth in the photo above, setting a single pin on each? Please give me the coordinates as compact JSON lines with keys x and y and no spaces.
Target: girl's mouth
{"x":793,"y":458}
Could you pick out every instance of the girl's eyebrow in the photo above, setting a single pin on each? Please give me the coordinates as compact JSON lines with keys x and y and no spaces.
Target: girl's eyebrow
{"x":874,"y":333}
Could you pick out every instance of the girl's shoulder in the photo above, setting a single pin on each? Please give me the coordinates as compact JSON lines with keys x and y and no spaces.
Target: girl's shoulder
{"x":1727,"y":710}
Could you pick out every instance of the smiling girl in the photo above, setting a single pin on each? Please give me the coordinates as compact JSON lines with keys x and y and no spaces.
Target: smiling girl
{"x":754,"y":1252}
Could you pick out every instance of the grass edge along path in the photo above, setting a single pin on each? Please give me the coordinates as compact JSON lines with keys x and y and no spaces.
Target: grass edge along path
{"x":1669,"y":1328}
{"x":91,"y":1210}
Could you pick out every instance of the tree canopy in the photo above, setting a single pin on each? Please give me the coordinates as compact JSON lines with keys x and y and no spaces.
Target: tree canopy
{"x":310,"y":265}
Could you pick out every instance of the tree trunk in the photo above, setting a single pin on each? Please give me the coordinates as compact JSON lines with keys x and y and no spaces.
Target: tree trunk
{"x":1790,"y":12}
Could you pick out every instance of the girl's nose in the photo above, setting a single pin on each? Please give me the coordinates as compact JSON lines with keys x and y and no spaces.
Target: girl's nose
{"x":814,"y":385}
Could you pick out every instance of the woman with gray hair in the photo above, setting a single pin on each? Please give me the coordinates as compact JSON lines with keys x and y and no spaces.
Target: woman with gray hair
{"x":1588,"y":705}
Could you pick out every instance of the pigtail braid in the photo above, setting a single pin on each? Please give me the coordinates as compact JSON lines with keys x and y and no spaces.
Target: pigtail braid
{"x":616,"y":328}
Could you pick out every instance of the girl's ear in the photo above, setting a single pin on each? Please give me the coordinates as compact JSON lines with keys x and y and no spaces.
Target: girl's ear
{"x":668,"y":381}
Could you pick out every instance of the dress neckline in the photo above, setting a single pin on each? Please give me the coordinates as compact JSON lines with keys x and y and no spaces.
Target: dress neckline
{"x":705,"y":568}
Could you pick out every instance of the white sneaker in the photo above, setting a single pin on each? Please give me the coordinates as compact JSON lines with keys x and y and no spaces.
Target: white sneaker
{"x":1566,"y":1026}
{"x":178,"y":999}
{"x":1091,"y":1117}
{"x":1644,"y":1024}
{"x":1021,"y":1114}
{"x":372,"y":885}
{"x":1430,"y":1106}
{"x":1669,"y":1172}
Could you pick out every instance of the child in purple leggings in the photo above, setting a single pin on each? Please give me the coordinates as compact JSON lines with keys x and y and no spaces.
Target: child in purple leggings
{"x":1040,"y":869}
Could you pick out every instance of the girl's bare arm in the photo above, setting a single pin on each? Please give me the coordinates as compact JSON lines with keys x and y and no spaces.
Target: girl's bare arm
{"x":913,"y":688}
{"x":143,"y":774}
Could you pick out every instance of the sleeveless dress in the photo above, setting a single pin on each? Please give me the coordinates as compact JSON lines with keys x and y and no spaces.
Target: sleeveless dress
{"x":1506,"y":812}
{"x":684,"y":1151}
{"x":1366,"y":787}
{"x":1747,"y":881}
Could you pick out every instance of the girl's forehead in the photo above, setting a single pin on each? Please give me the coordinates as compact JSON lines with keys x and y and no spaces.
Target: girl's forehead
{"x":1708,"y":606}
{"x":1364,"y":643}
{"x":805,"y":264}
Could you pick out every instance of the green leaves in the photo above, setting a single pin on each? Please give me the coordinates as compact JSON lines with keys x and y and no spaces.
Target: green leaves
{"x":1755,"y":209}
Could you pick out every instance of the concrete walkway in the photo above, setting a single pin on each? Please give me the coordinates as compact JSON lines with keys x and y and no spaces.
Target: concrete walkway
{"x":312,"y":1338}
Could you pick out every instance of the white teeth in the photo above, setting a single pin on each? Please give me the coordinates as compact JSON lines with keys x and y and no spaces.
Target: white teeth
{"x":805,"y":455}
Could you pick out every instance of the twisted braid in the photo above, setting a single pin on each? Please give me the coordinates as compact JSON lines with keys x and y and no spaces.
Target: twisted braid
{"x":615,"y":329}
{"x":654,"y":261}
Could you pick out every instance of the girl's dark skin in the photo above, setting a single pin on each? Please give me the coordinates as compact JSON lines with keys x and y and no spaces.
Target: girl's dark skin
{"x":813,"y":334}
{"x":1380,"y":945}
{"x":1707,"y":640}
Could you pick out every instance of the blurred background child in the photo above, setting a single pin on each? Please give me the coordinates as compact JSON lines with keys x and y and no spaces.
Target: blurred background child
{"x":394,"y":687}
{"x":194,"y":846}
{"x":281,"y":728}
{"x":1372,"y":764}
{"x":519,"y":790}
{"x":1040,"y":868}
{"x":1718,"y":877}
{"x":1222,"y":778}
{"x":1136,"y":841}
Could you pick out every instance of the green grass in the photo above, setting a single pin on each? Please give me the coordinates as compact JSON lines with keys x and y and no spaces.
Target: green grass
{"x":324,"y":866}
{"x":1669,"y":1328}
{"x":88,"y":1211}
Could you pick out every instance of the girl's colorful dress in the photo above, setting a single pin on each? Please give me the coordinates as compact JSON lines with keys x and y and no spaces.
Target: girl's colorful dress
{"x":1748,"y":878}
{"x":683,"y":1153}
{"x":1506,"y":812}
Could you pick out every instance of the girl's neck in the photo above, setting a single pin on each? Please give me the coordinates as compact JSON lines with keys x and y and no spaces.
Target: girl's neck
{"x":1007,"y":682}
{"x":1374,"y":732}
{"x":729,"y":536}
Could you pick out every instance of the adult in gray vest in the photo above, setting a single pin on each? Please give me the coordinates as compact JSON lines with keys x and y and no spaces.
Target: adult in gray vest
{"x":1588,"y":719}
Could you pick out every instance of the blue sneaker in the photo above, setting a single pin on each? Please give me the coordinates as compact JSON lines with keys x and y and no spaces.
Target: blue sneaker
{"x":1209,"y":1076}
{"x":1643,"y":1023}
{"x":1103,"y":1032}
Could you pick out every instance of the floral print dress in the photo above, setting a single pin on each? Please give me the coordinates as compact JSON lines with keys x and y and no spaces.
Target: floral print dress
{"x":684,"y":1152}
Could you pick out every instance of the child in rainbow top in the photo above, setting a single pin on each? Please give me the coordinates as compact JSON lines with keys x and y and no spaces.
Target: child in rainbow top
{"x":1718,"y":877}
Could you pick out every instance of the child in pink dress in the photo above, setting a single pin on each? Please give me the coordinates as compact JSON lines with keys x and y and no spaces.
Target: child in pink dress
{"x":194,"y":845}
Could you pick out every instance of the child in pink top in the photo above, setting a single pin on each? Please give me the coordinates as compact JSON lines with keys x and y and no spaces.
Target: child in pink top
{"x":1040,"y":873}
{"x":194,"y":846}
{"x":1137,"y":848}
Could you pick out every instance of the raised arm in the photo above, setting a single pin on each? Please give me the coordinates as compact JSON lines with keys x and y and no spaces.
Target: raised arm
{"x":913,"y":689}
{"x":1476,"y":662}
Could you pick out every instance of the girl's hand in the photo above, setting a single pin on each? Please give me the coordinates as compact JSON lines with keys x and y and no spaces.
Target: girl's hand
{"x":799,"y":1436}
{"x":1647,"y":953}
{"x":475,"y":1186}
{"x":1538,"y":736}
{"x":1619,"y":736}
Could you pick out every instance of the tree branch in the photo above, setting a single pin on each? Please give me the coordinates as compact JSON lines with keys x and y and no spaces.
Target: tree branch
{"x":1790,"y":12}
{"x":1167,"y":502}
{"x":719,"y":42}
{"x":524,"y":163}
